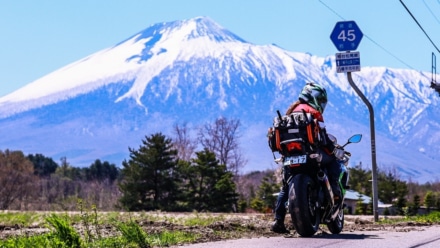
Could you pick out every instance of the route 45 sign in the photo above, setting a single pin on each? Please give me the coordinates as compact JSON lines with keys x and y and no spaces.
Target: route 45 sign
{"x":346,"y":36}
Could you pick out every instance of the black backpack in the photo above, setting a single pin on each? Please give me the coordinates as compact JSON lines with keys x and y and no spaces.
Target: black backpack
{"x":294,"y":134}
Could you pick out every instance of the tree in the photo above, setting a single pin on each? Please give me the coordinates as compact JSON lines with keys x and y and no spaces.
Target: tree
{"x":16,"y":177}
{"x":437,"y":201}
{"x":265,"y":193}
{"x":183,"y":143}
{"x":43,"y":166}
{"x":360,"y":208}
{"x":413,"y":208}
{"x":149,"y":176}
{"x":391,"y":187}
{"x":68,"y":171}
{"x":102,"y":171}
{"x":221,"y":137}
{"x":209,"y":186}
{"x":400,"y":205}
{"x":429,"y":200}
{"x":360,"y":179}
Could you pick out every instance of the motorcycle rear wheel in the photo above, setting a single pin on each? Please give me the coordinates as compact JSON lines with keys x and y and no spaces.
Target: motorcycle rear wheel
{"x":303,"y":206}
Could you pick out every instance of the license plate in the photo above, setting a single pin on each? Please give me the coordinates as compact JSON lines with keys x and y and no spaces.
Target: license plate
{"x":295,"y":160}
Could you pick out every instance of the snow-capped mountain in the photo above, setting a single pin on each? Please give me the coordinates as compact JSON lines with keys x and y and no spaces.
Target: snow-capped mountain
{"x":193,"y":71}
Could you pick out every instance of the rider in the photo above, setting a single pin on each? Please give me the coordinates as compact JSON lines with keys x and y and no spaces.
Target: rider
{"x":312,"y":99}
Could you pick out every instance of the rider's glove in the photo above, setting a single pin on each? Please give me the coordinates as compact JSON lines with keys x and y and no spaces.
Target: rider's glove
{"x":339,"y":153}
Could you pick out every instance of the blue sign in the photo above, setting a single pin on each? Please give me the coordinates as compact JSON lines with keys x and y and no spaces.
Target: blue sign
{"x":346,"y":36}
{"x":348,"y":62}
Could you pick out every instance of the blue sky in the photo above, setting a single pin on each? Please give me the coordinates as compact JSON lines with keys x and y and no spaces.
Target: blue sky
{"x":38,"y":37}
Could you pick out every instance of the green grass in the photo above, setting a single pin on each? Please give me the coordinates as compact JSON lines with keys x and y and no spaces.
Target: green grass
{"x":63,"y":234}
{"x":168,"y":238}
{"x":431,"y":218}
{"x":24,"y":219}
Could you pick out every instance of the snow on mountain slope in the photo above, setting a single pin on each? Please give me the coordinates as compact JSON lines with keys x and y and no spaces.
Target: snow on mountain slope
{"x":194,"y":71}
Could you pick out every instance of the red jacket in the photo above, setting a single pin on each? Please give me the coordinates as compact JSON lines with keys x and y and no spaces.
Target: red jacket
{"x":309,"y":109}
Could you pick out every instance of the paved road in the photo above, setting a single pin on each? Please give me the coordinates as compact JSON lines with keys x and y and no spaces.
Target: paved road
{"x":426,"y":237}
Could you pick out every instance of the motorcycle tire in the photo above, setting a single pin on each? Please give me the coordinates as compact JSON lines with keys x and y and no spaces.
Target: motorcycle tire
{"x":336,"y":225}
{"x":303,"y":207}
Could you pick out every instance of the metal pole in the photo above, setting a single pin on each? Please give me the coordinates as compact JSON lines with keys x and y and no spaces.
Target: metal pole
{"x":373,"y":145}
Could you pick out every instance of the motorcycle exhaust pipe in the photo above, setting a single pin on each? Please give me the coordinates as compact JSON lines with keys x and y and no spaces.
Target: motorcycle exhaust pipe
{"x":322,"y":177}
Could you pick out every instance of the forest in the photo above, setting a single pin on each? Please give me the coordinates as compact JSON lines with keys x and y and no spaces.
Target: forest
{"x":171,"y":174}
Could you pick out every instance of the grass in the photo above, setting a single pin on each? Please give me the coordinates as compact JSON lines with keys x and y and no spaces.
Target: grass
{"x":430,"y":218}
{"x":90,"y":228}
{"x":63,"y":234}
{"x":25,"y":219}
{"x":127,"y":232}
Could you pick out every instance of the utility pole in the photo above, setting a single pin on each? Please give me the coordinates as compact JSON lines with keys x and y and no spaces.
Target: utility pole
{"x":346,"y":36}
{"x":373,"y":145}
{"x":434,"y":84}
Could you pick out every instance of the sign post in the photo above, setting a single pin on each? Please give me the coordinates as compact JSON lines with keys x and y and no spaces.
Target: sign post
{"x":346,"y":36}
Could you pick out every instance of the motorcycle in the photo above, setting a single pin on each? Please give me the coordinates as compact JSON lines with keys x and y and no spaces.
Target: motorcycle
{"x":310,"y":202}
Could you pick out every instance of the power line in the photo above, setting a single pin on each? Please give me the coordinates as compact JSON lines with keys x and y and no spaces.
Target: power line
{"x":368,"y":37}
{"x":420,"y":26}
{"x":432,"y":13}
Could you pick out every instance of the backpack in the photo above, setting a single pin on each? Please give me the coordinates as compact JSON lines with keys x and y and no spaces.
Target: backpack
{"x":296,"y":133}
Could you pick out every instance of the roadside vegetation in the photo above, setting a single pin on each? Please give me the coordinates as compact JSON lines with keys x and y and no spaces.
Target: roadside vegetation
{"x":155,"y":229}
{"x":90,"y":228}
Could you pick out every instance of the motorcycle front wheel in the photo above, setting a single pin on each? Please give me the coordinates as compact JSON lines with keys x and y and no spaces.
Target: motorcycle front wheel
{"x":303,"y":207}
{"x":336,"y":225}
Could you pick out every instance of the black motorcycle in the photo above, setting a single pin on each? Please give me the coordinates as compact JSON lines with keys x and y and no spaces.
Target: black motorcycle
{"x":310,"y":201}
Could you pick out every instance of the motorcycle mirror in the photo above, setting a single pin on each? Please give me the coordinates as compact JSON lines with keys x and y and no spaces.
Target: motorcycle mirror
{"x":355,"y":138}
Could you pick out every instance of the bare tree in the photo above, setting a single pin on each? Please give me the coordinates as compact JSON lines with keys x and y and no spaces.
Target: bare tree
{"x":183,"y":143}
{"x":16,"y":177}
{"x":221,"y":137}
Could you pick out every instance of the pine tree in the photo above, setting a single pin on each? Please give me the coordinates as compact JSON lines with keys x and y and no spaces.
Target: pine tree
{"x":209,"y":186}
{"x":429,"y":201}
{"x":265,"y":192}
{"x":149,"y":176}
{"x":400,"y":205}
{"x":415,"y":205}
{"x":43,"y":166}
{"x":360,"y":209}
{"x":101,"y":171}
{"x":360,"y":180}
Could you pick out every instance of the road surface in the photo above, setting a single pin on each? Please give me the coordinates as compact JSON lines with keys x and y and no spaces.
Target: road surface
{"x":425,"y":236}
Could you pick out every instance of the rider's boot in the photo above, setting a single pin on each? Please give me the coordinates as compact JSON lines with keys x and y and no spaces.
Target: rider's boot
{"x":279,"y":227}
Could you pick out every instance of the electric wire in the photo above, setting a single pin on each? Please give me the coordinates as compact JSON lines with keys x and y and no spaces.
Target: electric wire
{"x":432,"y":13}
{"x":420,"y":26}
{"x":369,"y":38}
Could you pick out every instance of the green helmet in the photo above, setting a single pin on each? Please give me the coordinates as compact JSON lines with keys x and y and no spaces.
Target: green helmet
{"x":314,"y":95}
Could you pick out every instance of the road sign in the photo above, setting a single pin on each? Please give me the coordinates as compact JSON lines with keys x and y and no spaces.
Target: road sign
{"x":346,"y":36}
{"x":348,"y":62}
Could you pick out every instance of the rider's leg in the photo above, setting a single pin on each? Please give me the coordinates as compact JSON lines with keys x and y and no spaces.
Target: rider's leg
{"x":333,"y":168}
{"x":280,"y":211}
{"x":280,"y":206}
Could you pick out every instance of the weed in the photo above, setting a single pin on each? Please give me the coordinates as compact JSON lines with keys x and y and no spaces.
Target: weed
{"x":133,"y":233}
{"x":168,"y":238}
{"x":63,"y":233}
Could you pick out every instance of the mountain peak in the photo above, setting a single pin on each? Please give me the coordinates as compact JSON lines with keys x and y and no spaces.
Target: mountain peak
{"x":185,"y":30}
{"x":205,"y":26}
